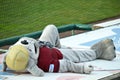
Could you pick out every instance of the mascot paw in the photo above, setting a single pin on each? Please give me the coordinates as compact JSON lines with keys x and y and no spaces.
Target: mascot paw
{"x":88,"y":69}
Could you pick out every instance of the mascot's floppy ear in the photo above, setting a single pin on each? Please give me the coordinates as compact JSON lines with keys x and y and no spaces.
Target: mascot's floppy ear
{"x":17,"y":58}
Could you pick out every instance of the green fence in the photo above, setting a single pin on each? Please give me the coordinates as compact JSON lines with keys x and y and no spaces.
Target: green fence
{"x":12,"y":40}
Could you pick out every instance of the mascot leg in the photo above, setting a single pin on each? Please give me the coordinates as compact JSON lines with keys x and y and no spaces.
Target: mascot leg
{"x":50,"y":34}
{"x":78,"y":55}
{"x":105,"y":49}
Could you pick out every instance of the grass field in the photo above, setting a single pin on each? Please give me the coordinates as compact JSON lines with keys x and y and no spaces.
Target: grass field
{"x":24,"y":16}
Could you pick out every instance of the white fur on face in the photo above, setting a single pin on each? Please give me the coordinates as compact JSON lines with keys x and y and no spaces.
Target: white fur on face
{"x":31,"y":44}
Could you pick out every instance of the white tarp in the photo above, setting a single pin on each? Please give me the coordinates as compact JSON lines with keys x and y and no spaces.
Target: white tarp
{"x":102,"y":68}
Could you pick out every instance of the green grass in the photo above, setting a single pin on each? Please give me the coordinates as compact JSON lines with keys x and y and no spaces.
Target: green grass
{"x":24,"y":16}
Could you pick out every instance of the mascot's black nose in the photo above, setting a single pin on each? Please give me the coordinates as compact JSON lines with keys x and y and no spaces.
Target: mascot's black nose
{"x":24,"y":42}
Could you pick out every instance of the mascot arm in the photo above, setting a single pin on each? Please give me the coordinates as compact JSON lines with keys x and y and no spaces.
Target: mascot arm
{"x":33,"y":68}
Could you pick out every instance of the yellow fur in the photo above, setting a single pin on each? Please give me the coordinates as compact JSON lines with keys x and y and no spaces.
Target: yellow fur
{"x":17,"y":58}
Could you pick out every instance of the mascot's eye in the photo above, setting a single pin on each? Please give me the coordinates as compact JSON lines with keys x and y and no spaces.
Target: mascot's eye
{"x":30,"y":50}
{"x":24,"y":42}
{"x":35,"y":49}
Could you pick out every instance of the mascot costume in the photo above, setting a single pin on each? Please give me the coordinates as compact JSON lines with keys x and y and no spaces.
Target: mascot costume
{"x":47,"y":54}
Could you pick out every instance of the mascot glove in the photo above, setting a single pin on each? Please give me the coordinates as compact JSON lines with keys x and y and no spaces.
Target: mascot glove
{"x":88,"y":69}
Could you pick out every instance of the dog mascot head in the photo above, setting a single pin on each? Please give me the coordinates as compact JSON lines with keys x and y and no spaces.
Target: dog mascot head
{"x":21,"y":53}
